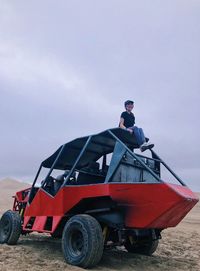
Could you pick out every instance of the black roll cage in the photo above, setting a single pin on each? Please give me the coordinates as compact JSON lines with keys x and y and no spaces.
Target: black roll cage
{"x":124,"y":148}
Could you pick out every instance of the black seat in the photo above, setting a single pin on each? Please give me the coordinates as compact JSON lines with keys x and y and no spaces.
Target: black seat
{"x":87,"y":178}
{"x":90,"y":174}
{"x":49,"y":185}
{"x":93,"y":167}
{"x":59,"y":180}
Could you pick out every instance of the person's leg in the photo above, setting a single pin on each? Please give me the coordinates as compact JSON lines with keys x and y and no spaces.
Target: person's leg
{"x":142,"y":136}
{"x":141,"y":140}
{"x":145,"y":145}
{"x":137,"y":134}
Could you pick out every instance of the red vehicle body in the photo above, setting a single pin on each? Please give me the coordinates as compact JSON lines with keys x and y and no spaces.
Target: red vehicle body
{"x":165,"y":205}
{"x":130,"y":208}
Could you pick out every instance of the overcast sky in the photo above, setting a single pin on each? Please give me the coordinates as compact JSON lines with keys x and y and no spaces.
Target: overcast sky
{"x":66,"y":68}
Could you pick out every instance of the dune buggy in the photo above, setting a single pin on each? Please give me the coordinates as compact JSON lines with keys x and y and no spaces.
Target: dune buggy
{"x":99,"y":192}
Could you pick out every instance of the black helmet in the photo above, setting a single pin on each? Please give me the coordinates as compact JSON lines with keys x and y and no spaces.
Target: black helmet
{"x":128,"y":102}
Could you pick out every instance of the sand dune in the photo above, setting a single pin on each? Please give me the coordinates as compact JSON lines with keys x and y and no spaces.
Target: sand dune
{"x":8,"y":188}
{"x":179,"y":248}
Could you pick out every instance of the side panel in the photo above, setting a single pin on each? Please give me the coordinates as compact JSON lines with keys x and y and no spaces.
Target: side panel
{"x":153,"y":205}
{"x":64,"y":200}
{"x":45,"y":205}
{"x":145,"y":205}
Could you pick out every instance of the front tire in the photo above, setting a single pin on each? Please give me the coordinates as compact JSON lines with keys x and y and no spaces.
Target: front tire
{"x":10,"y":227}
{"x":82,"y":241}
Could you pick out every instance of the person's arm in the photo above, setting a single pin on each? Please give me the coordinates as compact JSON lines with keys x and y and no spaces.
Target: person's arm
{"x":121,"y":123}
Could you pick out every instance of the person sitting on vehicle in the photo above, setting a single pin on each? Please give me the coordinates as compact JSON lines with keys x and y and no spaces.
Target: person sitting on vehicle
{"x":127,"y":121}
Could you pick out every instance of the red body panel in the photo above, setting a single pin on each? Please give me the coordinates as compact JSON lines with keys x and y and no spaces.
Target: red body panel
{"x":159,"y":205}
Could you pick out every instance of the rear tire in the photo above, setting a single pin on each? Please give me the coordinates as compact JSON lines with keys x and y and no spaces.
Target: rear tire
{"x":10,"y":227}
{"x":147,"y":248}
{"x":82,"y":241}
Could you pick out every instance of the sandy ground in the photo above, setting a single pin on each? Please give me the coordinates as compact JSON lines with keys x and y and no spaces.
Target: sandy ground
{"x":179,"y":248}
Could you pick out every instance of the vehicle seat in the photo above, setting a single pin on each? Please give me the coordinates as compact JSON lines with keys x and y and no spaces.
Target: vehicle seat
{"x":59,"y":180}
{"x":91,"y":174}
{"x":87,"y":178}
{"x":93,"y":167}
{"x":49,"y":185}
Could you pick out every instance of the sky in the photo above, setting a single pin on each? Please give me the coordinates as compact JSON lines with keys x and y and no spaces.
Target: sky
{"x":66,"y":68}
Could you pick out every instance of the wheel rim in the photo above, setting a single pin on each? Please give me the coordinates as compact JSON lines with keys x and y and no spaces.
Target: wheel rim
{"x":76,"y":242}
{"x":5,"y":228}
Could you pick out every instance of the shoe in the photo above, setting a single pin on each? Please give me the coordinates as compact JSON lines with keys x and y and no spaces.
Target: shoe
{"x":145,"y":146}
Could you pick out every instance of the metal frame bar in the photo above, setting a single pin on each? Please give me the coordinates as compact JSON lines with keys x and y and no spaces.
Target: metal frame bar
{"x":38,"y":172}
{"x":151,"y":158}
{"x":52,"y":167}
{"x":167,"y":167}
{"x":136,"y":157}
{"x":118,"y":154}
{"x":77,"y":160}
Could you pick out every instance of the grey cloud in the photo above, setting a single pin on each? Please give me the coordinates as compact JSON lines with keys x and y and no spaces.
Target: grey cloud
{"x":67,"y":66}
